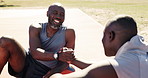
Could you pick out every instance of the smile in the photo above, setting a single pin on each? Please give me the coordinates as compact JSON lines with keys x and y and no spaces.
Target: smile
{"x":56,"y":21}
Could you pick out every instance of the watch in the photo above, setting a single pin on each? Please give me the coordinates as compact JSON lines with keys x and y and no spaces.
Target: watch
{"x":55,"y":56}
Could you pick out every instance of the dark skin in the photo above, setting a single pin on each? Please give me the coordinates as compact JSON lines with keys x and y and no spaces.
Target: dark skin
{"x":116,"y":33}
{"x":100,"y":70}
{"x":13,"y":53}
{"x":56,"y":15}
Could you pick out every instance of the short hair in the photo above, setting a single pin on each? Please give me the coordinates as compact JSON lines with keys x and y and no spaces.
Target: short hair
{"x":124,"y":24}
{"x":127,"y":22}
{"x":55,"y":4}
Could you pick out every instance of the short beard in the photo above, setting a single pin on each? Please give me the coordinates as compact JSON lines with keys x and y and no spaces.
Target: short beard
{"x":54,"y":27}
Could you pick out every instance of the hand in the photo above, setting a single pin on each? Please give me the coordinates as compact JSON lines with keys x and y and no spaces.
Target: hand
{"x":66,"y":56}
{"x":65,"y":49}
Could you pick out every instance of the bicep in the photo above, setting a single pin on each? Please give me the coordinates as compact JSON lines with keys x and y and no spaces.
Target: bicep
{"x":34,"y":40}
{"x":70,"y":38}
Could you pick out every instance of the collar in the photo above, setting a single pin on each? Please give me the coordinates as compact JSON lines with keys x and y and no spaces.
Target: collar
{"x":136,"y":44}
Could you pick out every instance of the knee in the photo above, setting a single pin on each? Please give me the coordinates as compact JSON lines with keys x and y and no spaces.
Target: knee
{"x":6,"y":41}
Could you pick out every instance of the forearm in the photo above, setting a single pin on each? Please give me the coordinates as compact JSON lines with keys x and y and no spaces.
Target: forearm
{"x":40,"y":54}
{"x":43,"y":56}
{"x":80,"y":64}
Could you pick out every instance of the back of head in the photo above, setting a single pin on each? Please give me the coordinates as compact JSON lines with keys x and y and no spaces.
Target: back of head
{"x":125,"y":26}
{"x":117,"y":32}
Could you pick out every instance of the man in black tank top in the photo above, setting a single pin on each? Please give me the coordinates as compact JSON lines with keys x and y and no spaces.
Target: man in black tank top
{"x":24,"y":64}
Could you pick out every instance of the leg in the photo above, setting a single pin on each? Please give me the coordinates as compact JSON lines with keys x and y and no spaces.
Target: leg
{"x":12,"y":52}
{"x":61,"y":66}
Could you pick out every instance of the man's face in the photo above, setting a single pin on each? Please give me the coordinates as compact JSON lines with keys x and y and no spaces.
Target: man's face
{"x":56,"y":16}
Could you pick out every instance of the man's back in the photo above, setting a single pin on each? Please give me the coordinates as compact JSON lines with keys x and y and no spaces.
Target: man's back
{"x":131,"y":59}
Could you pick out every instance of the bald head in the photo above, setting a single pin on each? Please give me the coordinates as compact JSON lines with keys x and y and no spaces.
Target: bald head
{"x":117,"y":32}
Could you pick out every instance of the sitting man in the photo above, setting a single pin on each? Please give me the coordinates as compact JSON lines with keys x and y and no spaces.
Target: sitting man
{"x":45,"y":40}
{"x":131,"y":53}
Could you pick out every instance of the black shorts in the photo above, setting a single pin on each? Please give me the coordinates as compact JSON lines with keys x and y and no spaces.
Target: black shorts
{"x":32,"y":69}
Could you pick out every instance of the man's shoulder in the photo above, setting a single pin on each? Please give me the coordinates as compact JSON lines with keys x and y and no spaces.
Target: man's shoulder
{"x":37,"y":25}
{"x":67,"y":29}
{"x":70,"y":31}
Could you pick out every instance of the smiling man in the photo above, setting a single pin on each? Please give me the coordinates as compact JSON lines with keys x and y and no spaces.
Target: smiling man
{"x":45,"y":40}
{"x":51,"y":37}
{"x":56,"y":16}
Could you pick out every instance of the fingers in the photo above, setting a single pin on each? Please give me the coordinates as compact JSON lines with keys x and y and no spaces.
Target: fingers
{"x":65,"y":49}
{"x":61,"y":50}
{"x":65,"y":56}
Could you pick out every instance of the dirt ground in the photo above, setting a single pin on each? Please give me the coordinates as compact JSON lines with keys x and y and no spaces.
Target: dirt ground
{"x":103,"y":15}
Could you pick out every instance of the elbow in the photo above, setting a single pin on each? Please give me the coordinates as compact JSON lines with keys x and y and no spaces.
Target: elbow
{"x":37,"y":53}
{"x":34,"y":54}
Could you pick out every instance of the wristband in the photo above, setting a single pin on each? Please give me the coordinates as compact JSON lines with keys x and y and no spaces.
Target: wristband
{"x":55,"y":56}
{"x":41,"y":50}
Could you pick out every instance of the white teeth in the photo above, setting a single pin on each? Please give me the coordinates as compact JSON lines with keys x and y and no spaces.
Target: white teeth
{"x":56,"y":21}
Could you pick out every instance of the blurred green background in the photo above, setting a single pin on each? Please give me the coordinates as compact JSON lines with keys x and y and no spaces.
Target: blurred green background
{"x":100,"y":10}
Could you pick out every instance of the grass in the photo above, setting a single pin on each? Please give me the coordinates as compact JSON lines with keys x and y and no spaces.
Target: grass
{"x":100,"y":10}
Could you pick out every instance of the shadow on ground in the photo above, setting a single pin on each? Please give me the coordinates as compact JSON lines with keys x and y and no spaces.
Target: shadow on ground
{"x":5,"y":5}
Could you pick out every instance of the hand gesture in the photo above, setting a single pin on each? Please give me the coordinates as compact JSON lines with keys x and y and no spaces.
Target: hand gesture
{"x":66,"y":55}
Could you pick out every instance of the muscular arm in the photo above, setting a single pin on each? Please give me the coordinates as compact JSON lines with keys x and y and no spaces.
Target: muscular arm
{"x":34,"y":42}
{"x":103,"y":69}
{"x":70,"y":43}
{"x":80,"y":64}
{"x":70,"y":37}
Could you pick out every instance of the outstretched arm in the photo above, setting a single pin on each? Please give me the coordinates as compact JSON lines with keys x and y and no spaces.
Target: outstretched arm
{"x":80,"y":64}
{"x":70,"y":37}
{"x":103,"y":69}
